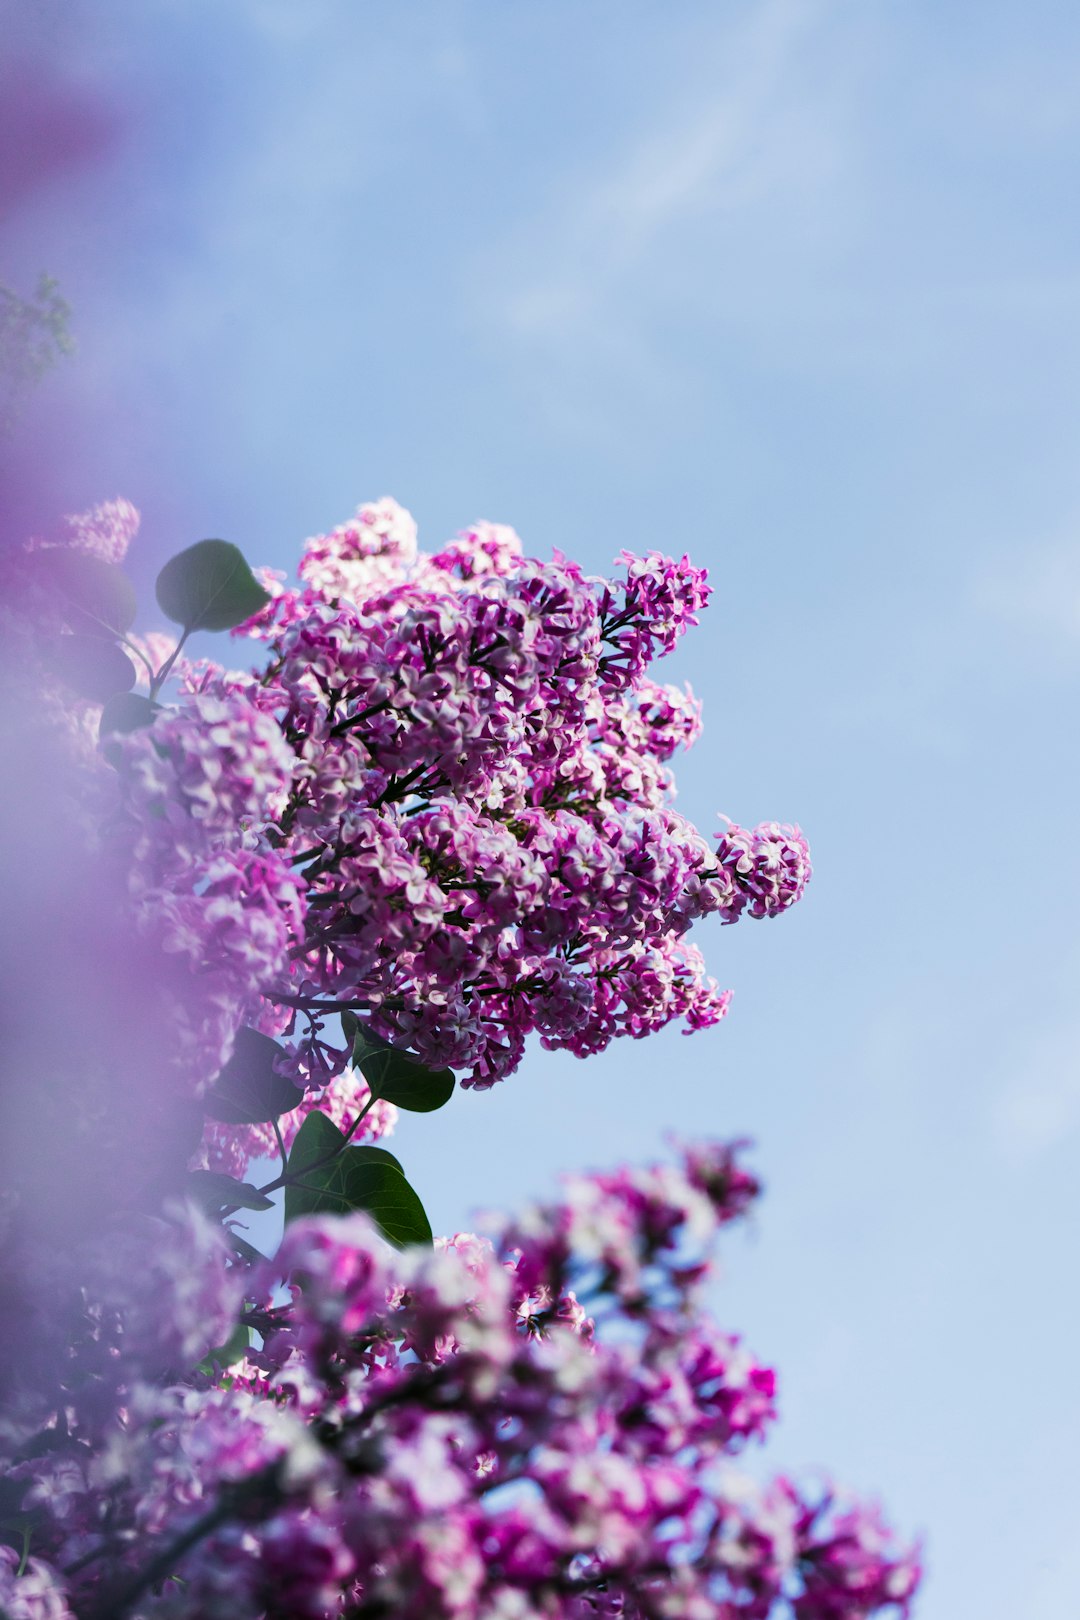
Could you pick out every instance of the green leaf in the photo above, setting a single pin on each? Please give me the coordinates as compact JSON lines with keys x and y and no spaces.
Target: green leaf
{"x":127,"y":711}
{"x":354,"y":1178}
{"x":317,"y":1139}
{"x":216,"y":1191}
{"x":97,"y":597}
{"x":377,"y":1155}
{"x":249,"y":1090}
{"x":396,"y":1077}
{"x":97,"y":669}
{"x":353,"y":1183}
{"x":234,"y":1349}
{"x":209,"y":587}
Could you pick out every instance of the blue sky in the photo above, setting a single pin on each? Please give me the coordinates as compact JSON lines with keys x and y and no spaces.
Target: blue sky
{"x":794,"y":286}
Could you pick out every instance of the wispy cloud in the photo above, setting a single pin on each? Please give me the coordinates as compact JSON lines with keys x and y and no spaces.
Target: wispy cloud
{"x":692,"y":211}
{"x":737,"y":129}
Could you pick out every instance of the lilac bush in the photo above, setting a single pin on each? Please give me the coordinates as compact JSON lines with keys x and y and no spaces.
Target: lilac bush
{"x":435,"y":819}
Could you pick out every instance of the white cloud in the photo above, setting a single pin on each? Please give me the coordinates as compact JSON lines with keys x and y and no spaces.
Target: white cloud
{"x":743,"y":126}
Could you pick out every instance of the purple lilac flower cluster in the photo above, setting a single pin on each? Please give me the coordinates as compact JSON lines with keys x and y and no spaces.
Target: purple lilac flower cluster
{"x":445,"y":800}
{"x":541,"y":1423}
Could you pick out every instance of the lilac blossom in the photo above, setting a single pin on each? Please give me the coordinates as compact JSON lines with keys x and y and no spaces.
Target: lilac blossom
{"x":763,"y":871}
{"x":464,"y":764}
{"x":544,"y":1421}
{"x":443,"y":803}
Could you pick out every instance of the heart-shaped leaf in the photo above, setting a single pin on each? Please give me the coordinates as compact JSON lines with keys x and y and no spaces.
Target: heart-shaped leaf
{"x":319,"y":1139}
{"x":209,"y":587}
{"x":95,"y":668}
{"x":127,"y":711}
{"x":97,"y":598}
{"x":395,"y":1076}
{"x":353,"y":1178}
{"x":377,"y":1155}
{"x":249,"y":1090}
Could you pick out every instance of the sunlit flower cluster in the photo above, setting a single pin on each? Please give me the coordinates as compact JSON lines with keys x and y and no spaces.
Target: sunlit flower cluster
{"x":447,"y":799}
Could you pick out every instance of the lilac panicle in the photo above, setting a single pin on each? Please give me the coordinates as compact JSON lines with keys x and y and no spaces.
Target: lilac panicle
{"x":544,"y":1421}
{"x":451,"y":785}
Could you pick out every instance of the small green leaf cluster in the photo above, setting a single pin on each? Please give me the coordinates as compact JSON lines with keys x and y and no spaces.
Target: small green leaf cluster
{"x":209,"y":586}
{"x":328,"y":1177}
{"x":325,"y":1173}
{"x":392,"y":1075}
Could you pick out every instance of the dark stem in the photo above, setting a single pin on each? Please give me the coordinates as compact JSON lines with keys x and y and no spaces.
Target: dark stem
{"x":314,"y":1004}
{"x":140,"y":655}
{"x":358,"y":719}
{"x":287,"y":1180}
{"x":162,"y":675}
